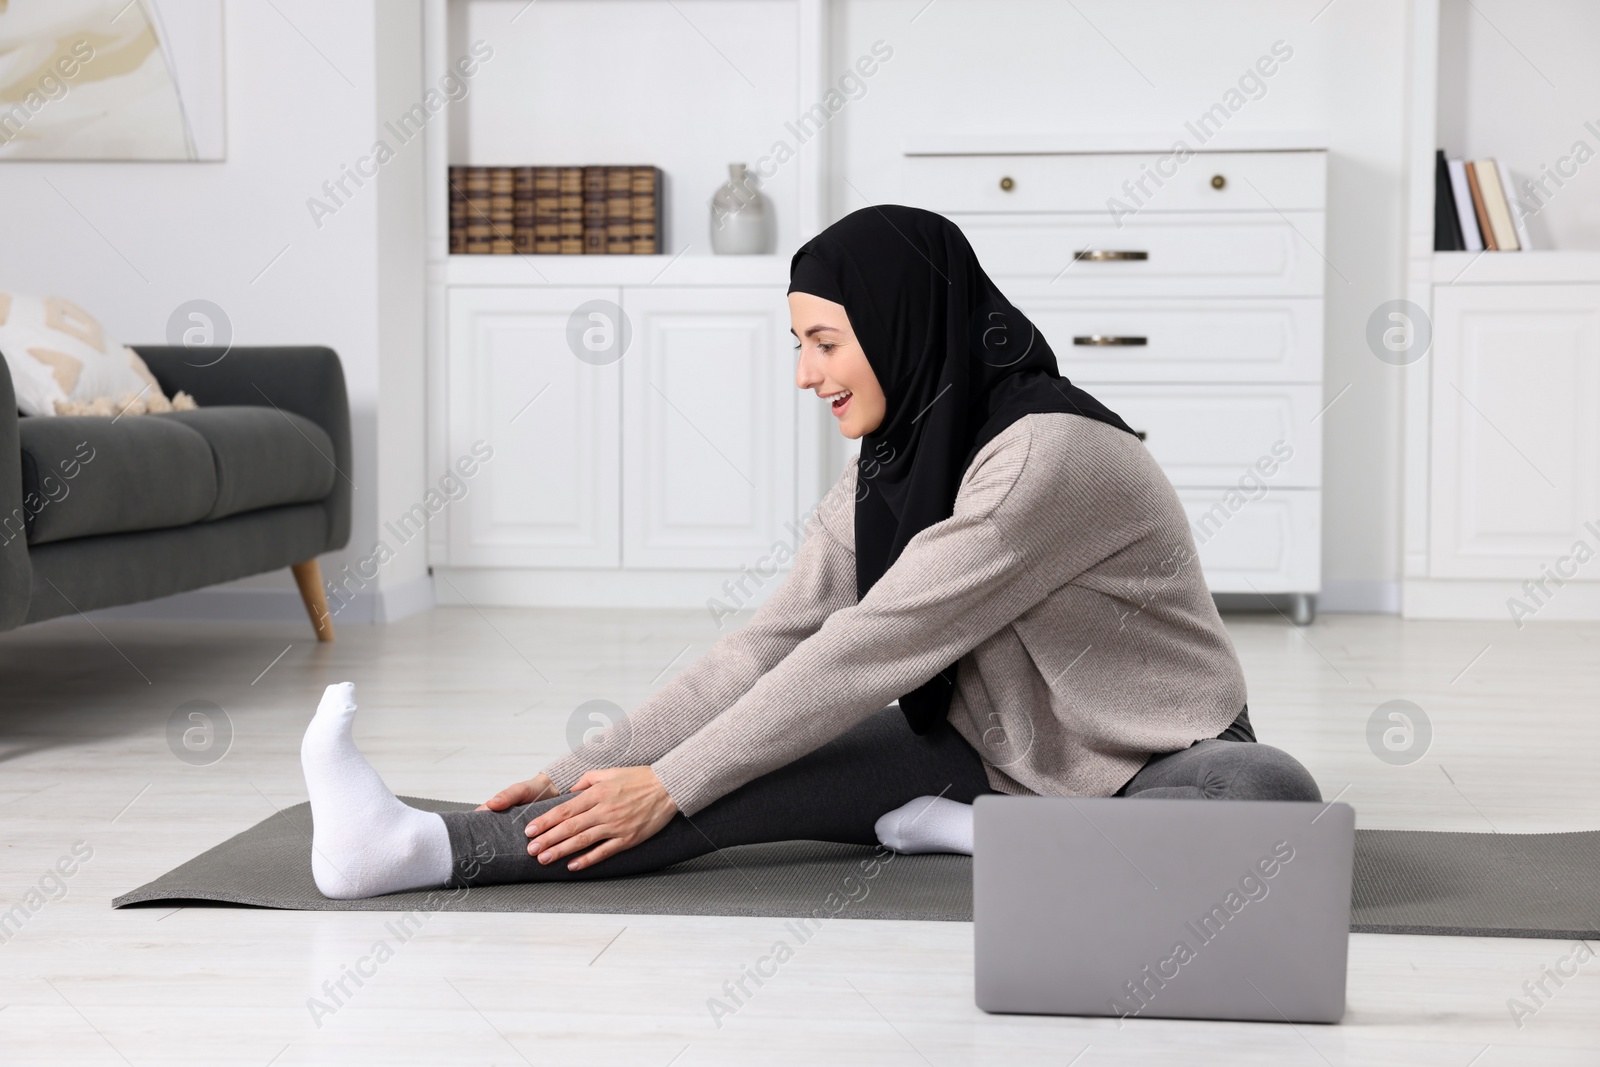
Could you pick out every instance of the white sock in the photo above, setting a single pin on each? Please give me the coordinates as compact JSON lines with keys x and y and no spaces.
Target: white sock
{"x":927,"y":824}
{"x":364,"y":842}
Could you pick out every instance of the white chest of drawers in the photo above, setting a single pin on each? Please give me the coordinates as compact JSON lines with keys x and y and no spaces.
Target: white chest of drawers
{"x":1194,"y":309}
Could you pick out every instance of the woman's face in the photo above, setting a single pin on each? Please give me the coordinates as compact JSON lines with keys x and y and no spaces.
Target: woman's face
{"x":833,"y":366}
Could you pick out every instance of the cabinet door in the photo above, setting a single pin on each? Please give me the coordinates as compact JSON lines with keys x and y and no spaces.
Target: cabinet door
{"x":708,"y":427}
{"x":1514,"y":450}
{"x":550,"y":496}
{"x":1265,"y":541}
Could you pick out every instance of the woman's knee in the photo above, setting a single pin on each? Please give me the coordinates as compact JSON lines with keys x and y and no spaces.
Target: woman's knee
{"x":1227,"y":770}
{"x":1261,"y":772}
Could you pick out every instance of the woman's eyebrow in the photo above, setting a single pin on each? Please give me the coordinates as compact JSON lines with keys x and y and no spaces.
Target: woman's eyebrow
{"x":819,"y":328}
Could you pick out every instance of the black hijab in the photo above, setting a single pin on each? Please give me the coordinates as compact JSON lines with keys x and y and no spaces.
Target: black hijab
{"x":958,"y":363}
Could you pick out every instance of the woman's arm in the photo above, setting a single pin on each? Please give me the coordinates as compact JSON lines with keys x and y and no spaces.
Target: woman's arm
{"x":822,"y":581}
{"x":1019,"y":532}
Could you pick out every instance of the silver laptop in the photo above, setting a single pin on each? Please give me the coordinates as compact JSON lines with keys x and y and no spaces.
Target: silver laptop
{"x":1189,"y":909}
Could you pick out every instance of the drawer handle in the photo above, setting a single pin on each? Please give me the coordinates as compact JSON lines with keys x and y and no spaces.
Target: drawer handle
{"x":1098,"y":340}
{"x":1007,"y":184}
{"x":1140,"y":434}
{"x":1102,"y":255}
{"x":1218,"y":182}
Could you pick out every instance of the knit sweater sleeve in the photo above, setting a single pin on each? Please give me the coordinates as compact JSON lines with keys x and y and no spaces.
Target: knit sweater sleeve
{"x":1009,"y":543}
{"x":822,"y":580}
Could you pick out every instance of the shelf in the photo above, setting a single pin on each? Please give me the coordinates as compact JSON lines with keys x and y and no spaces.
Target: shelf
{"x":684,"y":269}
{"x":1526,"y":268}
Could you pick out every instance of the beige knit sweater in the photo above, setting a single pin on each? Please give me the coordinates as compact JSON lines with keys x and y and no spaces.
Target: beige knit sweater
{"x":1066,"y":583}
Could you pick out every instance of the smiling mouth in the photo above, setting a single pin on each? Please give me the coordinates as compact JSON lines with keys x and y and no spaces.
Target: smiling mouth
{"x":839,"y":401}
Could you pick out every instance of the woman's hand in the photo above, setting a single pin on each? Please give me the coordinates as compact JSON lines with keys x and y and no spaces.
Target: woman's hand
{"x":615,"y":809}
{"x":539,"y":787}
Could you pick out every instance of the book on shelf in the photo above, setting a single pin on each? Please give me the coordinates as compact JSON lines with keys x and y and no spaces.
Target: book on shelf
{"x":594,"y":210}
{"x":1494,"y":203}
{"x":458,"y":210}
{"x":645,"y":216}
{"x":569,"y":211}
{"x":480,"y":232}
{"x":1480,"y":209}
{"x":619,"y":210}
{"x":551,"y":210}
{"x":502,"y":210}
{"x":1472,"y":240}
{"x":1446,"y":225}
{"x":522,"y":232}
{"x":1509,"y":191}
{"x":546,"y":210}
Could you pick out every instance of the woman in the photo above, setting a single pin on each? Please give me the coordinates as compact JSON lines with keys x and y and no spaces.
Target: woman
{"x":1005,"y":559}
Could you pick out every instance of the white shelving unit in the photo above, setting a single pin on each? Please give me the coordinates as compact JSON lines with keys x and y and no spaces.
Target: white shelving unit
{"x":653,"y":479}
{"x":1502,"y":450}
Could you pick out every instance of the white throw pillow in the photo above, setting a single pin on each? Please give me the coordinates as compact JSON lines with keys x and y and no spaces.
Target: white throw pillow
{"x":63,"y":362}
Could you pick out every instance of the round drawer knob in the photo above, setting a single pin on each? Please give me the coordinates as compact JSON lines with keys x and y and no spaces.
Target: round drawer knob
{"x":1007,"y":184}
{"x":1218,"y":181}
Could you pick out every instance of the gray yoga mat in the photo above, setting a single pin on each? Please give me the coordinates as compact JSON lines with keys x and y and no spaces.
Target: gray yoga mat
{"x":1406,"y":882}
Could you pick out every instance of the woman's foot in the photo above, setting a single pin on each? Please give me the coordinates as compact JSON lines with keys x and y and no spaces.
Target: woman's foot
{"x":927,"y":824}
{"x":364,"y":841}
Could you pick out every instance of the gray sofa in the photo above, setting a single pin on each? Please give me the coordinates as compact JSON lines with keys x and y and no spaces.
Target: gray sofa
{"x":96,"y":512}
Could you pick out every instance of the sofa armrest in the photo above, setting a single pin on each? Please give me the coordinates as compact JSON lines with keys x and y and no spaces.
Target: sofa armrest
{"x":16,"y":571}
{"x":305,"y":380}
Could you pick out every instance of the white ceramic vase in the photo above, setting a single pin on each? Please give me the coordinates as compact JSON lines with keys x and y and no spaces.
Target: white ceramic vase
{"x":741,"y":217}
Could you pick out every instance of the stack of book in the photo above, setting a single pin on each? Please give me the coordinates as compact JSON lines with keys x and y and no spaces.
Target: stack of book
{"x":556,"y":210}
{"x":1472,"y":208}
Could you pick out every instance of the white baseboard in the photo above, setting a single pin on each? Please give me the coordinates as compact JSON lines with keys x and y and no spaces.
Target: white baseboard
{"x":1359,"y":597}
{"x":514,"y":587}
{"x":1438,"y":598}
{"x":405,"y":599}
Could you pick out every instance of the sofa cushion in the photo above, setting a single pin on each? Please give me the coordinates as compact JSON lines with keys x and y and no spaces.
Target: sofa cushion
{"x":264,"y":457}
{"x":84,"y":475}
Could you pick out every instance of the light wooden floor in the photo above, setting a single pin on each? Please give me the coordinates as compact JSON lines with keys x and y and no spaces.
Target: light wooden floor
{"x":457,"y":703}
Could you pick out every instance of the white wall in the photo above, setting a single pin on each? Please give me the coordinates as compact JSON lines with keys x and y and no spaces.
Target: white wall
{"x":1042,"y":66}
{"x":132,"y":241}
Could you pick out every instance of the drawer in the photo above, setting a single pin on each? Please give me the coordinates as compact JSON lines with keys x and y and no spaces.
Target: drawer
{"x":1170,"y":255}
{"x":1216,"y":435}
{"x":1251,"y":181}
{"x":1269,"y":544}
{"x":1273,"y":340}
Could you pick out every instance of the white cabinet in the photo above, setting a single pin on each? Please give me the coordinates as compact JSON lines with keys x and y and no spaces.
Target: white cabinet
{"x":1198,"y":319}
{"x":551,"y":495}
{"x":708,"y":402}
{"x":680,"y":455}
{"x":1515,"y":437}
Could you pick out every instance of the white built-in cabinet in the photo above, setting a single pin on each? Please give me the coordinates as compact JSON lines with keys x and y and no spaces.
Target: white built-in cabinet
{"x":1515,"y":435}
{"x":681,"y":453}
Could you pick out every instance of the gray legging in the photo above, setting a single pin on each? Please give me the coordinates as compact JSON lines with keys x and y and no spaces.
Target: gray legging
{"x":839,"y":791}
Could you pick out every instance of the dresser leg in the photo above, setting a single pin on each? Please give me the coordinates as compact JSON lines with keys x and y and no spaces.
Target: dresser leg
{"x":1302,"y":609}
{"x":308,"y":576}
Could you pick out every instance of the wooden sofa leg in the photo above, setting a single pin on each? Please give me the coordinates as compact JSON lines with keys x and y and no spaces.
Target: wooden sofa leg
{"x":308,"y":576}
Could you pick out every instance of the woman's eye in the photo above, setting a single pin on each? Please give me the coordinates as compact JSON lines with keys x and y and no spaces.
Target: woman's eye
{"x":825,"y":347}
